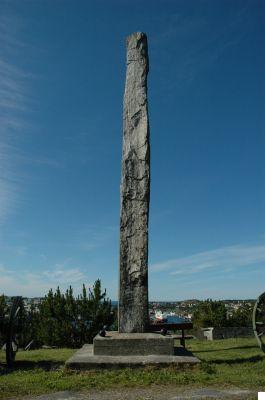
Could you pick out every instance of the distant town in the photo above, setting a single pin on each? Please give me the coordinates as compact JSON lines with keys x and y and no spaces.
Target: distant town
{"x":183,"y":308}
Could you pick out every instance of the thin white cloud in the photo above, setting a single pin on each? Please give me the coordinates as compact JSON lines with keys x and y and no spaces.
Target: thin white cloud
{"x":14,"y":103}
{"x":39,"y":161}
{"x":30,"y":284}
{"x":21,"y":250}
{"x":230,"y":257}
{"x":96,"y":236}
{"x":203,"y":46}
{"x":64,"y":275}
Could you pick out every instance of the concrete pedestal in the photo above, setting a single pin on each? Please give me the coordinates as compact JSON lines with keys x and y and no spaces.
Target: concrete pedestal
{"x":125,"y":344}
{"x":128,"y":350}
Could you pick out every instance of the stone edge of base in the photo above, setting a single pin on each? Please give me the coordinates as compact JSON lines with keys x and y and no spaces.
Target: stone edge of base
{"x":93,"y":365}
{"x":101,"y":362}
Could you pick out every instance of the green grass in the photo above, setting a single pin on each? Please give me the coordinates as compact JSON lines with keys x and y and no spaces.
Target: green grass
{"x":225,"y":363}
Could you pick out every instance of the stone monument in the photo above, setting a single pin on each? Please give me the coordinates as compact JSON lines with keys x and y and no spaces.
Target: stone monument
{"x":133,"y":337}
{"x":135,"y":191}
{"x":133,"y":344}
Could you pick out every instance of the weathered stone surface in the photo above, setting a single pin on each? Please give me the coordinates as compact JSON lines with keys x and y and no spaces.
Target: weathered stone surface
{"x":135,"y":344}
{"x":135,"y":191}
{"x":84,"y":359}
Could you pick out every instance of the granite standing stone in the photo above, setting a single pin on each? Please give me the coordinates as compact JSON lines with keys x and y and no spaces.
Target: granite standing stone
{"x":133,"y":345}
{"x":135,"y":191}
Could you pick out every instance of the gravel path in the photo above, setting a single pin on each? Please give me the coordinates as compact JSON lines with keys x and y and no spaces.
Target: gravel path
{"x":152,"y":393}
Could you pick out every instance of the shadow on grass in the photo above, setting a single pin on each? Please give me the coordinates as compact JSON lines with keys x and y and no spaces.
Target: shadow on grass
{"x":252,"y":359}
{"x":182,"y":351}
{"x":227,"y":348}
{"x":47,"y":365}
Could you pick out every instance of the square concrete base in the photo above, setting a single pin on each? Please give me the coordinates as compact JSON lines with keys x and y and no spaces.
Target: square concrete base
{"x":84,"y":359}
{"x":133,"y":344}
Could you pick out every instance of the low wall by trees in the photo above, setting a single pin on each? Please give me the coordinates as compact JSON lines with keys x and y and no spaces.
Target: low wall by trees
{"x":223,"y":333}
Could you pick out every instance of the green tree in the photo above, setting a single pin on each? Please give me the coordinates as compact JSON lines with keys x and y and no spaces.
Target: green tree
{"x":242,"y":316}
{"x":47,"y":325}
{"x":71,"y":316}
{"x":100,"y":310}
{"x":209,"y":313}
{"x":3,"y":312}
{"x":32,"y":328}
{"x":3,"y":305}
{"x":68,"y":321}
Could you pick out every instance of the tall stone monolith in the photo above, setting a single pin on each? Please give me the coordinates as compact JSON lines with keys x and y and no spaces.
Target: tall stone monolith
{"x":135,"y":191}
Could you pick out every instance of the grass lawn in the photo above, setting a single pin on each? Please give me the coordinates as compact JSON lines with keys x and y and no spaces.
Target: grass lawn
{"x":225,"y":363}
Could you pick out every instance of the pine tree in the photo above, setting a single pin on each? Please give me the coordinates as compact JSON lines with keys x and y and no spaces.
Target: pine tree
{"x":47,"y":319}
{"x":3,"y":312}
{"x":100,"y":310}
{"x":66,"y":321}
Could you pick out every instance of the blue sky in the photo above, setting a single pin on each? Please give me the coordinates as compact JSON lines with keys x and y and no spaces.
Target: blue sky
{"x":62,"y":72}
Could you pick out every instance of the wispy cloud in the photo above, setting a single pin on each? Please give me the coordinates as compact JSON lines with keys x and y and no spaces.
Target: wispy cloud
{"x":39,"y":161}
{"x":95,"y":236}
{"x":37,"y":284}
{"x":222,"y":259}
{"x":203,"y":40}
{"x":63,"y":274}
{"x":14,"y":103}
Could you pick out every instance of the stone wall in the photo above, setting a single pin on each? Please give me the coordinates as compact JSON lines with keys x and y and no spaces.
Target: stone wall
{"x":223,"y":333}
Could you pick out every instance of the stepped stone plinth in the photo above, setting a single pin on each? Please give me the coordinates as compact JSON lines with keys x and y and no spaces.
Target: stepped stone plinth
{"x":85,"y":359}
{"x":133,"y":344}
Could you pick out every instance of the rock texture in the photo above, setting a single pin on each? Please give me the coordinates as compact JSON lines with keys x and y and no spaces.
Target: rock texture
{"x":85,"y":359}
{"x":133,"y":344}
{"x":135,"y":191}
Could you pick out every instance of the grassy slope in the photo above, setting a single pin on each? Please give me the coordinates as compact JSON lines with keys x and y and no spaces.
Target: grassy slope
{"x":225,"y":363}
